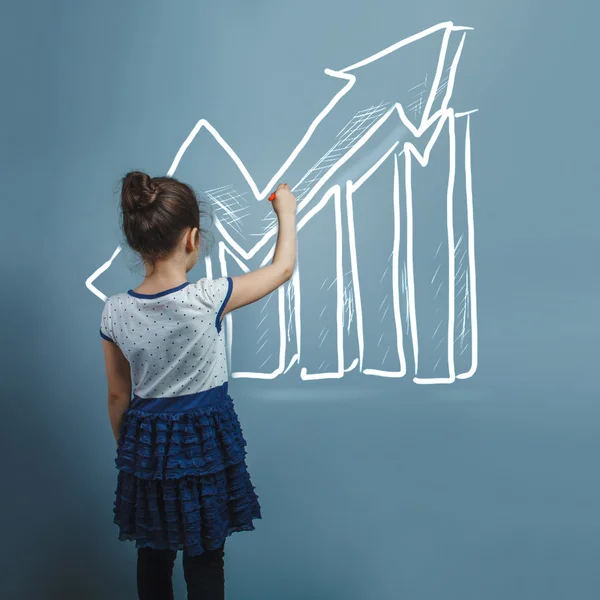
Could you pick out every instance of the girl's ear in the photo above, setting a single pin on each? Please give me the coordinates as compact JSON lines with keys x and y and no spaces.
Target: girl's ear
{"x":192,"y":240}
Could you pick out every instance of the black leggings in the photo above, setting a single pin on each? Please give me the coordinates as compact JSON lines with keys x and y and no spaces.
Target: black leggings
{"x":204,"y":574}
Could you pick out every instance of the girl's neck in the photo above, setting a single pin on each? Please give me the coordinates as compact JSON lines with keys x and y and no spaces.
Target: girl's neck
{"x":162,"y":278}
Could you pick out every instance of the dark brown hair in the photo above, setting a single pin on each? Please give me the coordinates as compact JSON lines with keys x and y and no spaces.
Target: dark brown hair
{"x":156,"y":211}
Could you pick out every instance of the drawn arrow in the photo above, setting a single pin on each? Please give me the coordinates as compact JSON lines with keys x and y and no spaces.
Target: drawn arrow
{"x":346,"y":75}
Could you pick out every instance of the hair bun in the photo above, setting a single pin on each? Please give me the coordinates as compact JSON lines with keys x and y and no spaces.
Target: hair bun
{"x":138,"y":192}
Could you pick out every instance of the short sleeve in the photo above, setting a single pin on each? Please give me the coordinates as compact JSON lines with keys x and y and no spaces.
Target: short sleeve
{"x":214,"y":294}
{"x":106,"y":323}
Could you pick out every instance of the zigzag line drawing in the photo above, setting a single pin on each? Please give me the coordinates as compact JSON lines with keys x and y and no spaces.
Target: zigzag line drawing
{"x":314,"y":192}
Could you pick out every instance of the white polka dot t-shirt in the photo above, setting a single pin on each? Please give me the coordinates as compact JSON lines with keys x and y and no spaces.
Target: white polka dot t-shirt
{"x":173,"y":340}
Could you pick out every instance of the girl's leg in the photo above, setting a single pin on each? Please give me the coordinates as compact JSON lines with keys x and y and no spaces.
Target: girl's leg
{"x":205,"y":575}
{"x":154,"y":574}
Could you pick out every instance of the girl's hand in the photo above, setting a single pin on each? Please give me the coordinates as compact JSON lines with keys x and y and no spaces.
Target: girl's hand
{"x":285,"y":201}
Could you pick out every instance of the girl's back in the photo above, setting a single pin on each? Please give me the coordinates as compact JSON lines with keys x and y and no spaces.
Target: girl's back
{"x":173,"y":340}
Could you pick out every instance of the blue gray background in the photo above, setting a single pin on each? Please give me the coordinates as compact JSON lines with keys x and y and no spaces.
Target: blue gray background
{"x":371,"y":488}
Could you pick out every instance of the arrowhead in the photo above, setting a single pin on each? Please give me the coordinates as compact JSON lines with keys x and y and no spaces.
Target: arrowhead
{"x":417,"y":72}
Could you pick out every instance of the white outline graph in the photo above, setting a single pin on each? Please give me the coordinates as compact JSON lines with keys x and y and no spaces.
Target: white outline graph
{"x":435,"y":121}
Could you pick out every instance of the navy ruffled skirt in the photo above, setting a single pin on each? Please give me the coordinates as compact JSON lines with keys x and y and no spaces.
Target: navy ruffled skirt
{"x":183,"y":482}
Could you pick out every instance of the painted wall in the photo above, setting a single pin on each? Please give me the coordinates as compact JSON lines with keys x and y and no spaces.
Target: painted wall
{"x":372,"y":487}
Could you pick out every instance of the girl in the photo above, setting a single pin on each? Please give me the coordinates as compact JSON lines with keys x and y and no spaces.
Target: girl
{"x":182,"y":482}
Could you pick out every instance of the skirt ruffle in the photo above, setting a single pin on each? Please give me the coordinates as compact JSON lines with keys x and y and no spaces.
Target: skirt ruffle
{"x":183,"y":483}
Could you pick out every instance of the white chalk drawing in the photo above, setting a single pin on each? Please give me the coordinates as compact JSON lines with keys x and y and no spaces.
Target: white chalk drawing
{"x":461,"y":330}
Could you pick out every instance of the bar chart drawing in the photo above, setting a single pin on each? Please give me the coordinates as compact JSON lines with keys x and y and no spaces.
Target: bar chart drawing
{"x":395,"y":304}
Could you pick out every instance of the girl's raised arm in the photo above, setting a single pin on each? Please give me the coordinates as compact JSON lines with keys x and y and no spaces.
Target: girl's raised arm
{"x":255,"y":285}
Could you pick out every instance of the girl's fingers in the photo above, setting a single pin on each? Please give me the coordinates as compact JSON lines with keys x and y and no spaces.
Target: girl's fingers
{"x":281,"y":186}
